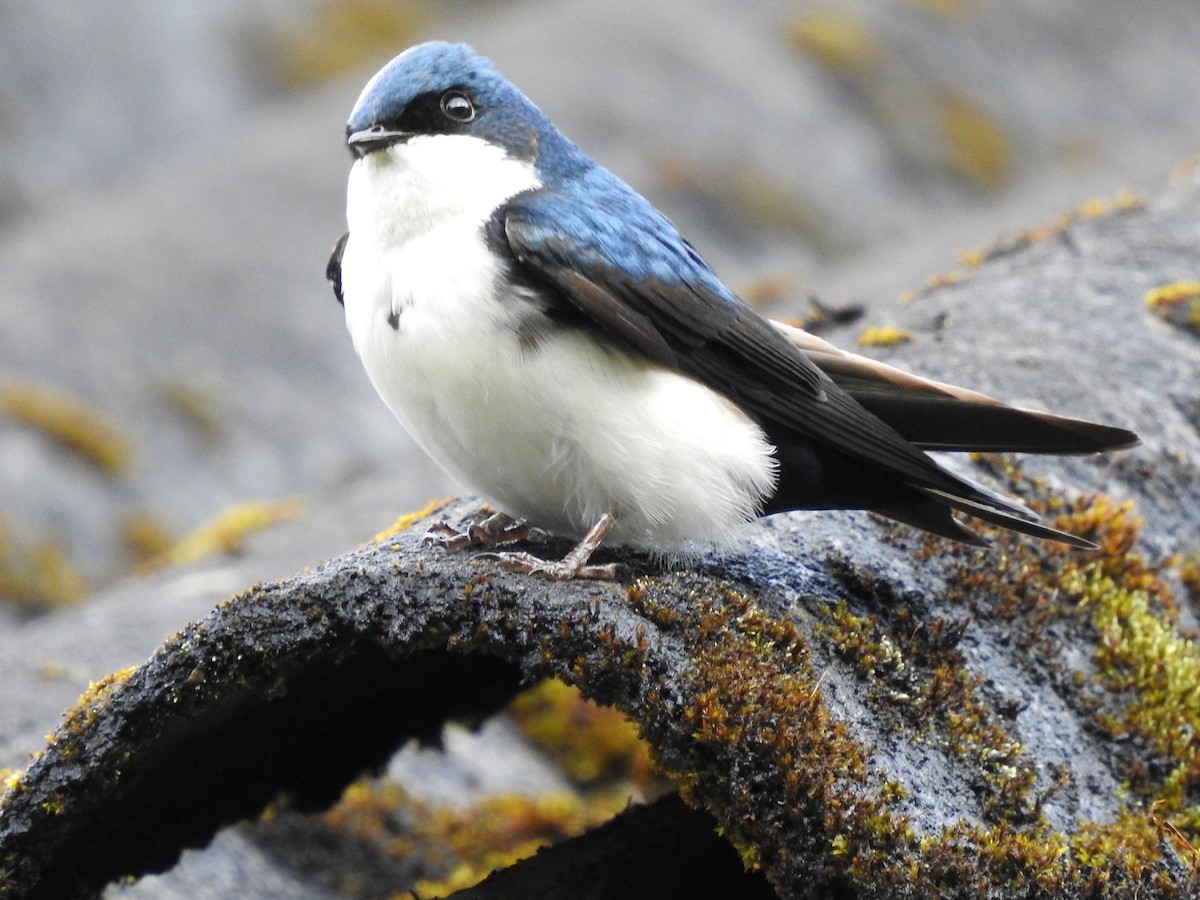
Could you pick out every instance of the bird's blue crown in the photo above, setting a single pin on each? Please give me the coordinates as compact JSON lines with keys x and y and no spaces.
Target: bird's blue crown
{"x":505,"y":116}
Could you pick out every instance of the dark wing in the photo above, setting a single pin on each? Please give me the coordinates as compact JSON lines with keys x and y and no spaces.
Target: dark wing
{"x":333,"y":269}
{"x":623,"y":266}
{"x":938,"y":416}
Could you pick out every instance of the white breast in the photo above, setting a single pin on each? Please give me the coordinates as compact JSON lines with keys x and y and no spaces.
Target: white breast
{"x":558,"y":433}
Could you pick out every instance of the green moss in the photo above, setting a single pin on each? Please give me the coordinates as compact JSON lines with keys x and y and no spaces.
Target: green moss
{"x":1142,"y":689}
{"x":916,"y":671}
{"x":758,"y":725}
{"x":87,"y":708}
{"x":758,"y":728}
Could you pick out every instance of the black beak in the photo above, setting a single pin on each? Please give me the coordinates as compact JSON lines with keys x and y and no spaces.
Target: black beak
{"x":368,"y":140}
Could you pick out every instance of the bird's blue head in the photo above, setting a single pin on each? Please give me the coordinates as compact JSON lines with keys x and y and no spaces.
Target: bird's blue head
{"x":440,"y":88}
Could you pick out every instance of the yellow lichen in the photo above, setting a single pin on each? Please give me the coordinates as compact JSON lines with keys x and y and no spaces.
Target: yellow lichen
{"x":1124,"y":199}
{"x":70,"y":423}
{"x":11,"y":779}
{"x":942,"y":279}
{"x":146,"y":538}
{"x":1146,"y":671}
{"x":976,"y":146}
{"x":406,"y":521}
{"x":197,"y":407}
{"x":971,"y":259}
{"x":591,"y":743}
{"x":342,"y":35}
{"x":87,"y":708}
{"x":466,"y":844}
{"x":838,"y":40}
{"x":1167,"y":295}
{"x":884,"y":336}
{"x":227,"y":533}
{"x":39,"y":575}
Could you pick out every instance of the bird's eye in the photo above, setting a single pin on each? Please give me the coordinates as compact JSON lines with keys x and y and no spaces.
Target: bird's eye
{"x":458,"y":106}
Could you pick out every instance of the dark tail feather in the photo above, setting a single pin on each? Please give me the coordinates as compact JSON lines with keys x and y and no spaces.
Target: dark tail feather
{"x":930,"y":415}
{"x":949,"y":423}
{"x":1021,"y":519}
{"x":934,"y":415}
{"x":933,"y":514}
{"x":929,"y":515}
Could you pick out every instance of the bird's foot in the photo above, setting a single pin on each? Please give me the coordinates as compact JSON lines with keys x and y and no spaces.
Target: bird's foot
{"x":495,"y":530}
{"x":573,"y":565}
{"x":555,"y":569}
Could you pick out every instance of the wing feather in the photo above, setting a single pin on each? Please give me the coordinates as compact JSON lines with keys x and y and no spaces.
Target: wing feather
{"x":850,"y":431}
{"x":658,"y":296}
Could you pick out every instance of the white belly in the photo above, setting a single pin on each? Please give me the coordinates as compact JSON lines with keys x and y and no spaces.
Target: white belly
{"x":557,"y":433}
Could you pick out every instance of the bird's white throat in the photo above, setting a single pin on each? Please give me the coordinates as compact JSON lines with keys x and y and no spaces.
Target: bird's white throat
{"x":409,"y":188}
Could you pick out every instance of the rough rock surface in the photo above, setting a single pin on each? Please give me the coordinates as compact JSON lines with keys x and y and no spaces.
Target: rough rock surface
{"x":861,"y":709}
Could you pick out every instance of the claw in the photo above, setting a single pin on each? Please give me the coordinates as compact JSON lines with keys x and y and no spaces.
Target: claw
{"x":496,"y":529}
{"x":555,"y":570}
{"x":450,"y":539}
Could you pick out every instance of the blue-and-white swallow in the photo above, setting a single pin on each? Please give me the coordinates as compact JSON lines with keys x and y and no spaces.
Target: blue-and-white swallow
{"x":548,"y":337}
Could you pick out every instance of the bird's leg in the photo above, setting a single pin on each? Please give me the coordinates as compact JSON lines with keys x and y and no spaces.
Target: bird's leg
{"x":573,"y":565}
{"x":495,"y":530}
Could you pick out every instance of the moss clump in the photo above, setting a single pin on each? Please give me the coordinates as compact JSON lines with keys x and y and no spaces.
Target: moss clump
{"x":1141,"y":689}
{"x":38,"y":576}
{"x":460,"y":847}
{"x":839,"y":41}
{"x":884,"y":336}
{"x":146,"y":539}
{"x":757,"y":728}
{"x":90,"y":704}
{"x":227,"y":533}
{"x":591,"y":743}
{"x":976,"y":146}
{"x":69,"y":423}
{"x":1178,"y":302}
{"x":915,"y":669}
{"x":406,"y":521}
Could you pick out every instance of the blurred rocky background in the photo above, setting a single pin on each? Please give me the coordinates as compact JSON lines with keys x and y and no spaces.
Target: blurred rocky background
{"x":181,"y":412}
